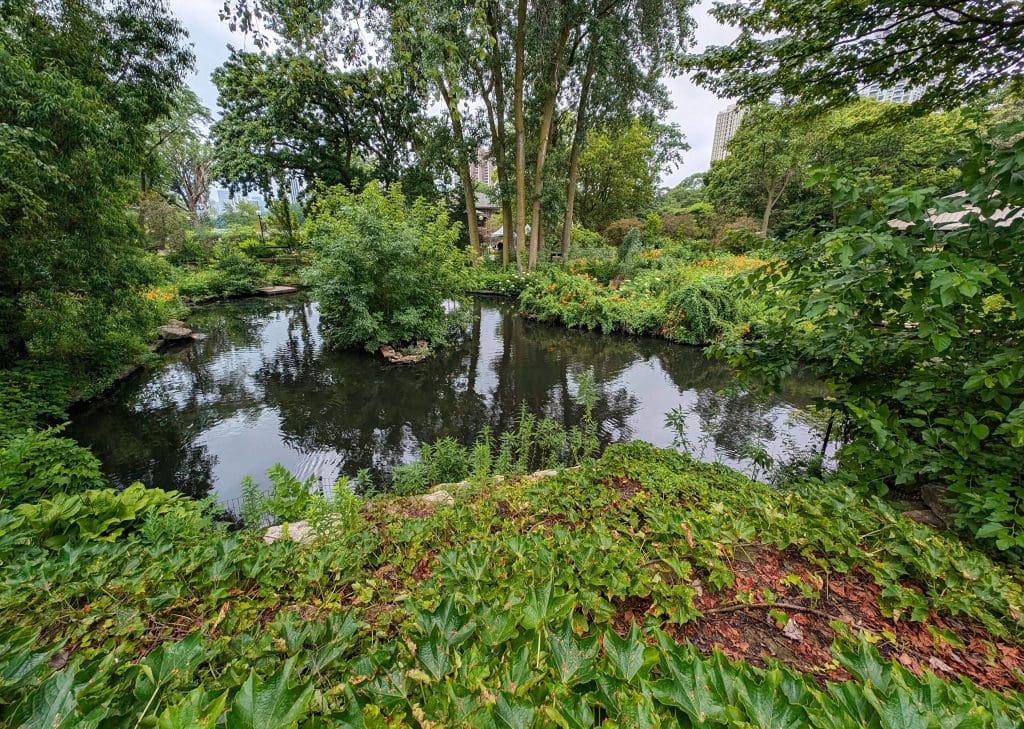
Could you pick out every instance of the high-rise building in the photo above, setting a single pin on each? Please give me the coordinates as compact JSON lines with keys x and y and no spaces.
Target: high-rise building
{"x":900,"y":93}
{"x":483,"y":168}
{"x":726,"y":124}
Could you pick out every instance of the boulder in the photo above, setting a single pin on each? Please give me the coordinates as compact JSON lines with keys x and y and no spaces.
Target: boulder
{"x":925,"y":516}
{"x":174,"y":331}
{"x":276,"y":290}
{"x":934,"y":494}
{"x":296,"y":531}
{"x":437,"y":498}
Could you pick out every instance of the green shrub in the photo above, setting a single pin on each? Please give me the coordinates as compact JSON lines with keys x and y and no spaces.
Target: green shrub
{"x":699,"y":311}
{"x":384,"y":268}
{"x":193,"y":251}
{"x":30,"y":395}
{"x":582,"y":239}
{"x":409,"y":479}
{"x":739,"y":235}
{"x":507,"y":282}
{"x":289,"y":499}
{"x":446,"y":460}
{"x":617,"y":230}
{"x":99,"y":514}
{"x":39,"y":463}
{"x":232,"y":273}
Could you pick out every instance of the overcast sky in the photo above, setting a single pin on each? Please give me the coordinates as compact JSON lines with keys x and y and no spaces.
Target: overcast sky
{"x":694,"y":111}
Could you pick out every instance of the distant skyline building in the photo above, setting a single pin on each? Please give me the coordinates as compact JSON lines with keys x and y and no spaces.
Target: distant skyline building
{"x":483,"y":168}
{"x":221,"y":197}
{"x":900,"y":93}
{"x":726,"y":124}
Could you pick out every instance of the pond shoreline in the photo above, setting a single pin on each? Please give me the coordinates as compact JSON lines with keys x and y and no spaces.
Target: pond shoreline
{"x":261,"y":389}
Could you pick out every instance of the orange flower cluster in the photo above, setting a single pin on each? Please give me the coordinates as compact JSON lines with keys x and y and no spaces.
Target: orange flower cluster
{"x":157,"y":295}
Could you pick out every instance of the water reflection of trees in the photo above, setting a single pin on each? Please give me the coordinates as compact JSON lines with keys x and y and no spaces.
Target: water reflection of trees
{"x":264,"y":355}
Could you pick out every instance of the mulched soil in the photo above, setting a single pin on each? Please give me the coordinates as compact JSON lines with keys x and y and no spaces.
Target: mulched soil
{"x":751,"y":634}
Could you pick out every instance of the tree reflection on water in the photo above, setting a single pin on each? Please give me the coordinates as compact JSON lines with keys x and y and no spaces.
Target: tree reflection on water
{"x":260,"y":389}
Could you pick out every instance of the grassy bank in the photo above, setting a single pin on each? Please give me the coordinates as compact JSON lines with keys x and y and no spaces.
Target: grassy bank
{"x":647,"y":590}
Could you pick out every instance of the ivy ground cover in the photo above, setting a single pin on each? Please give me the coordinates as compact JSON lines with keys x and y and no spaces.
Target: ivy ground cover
{"x":646,"y":590}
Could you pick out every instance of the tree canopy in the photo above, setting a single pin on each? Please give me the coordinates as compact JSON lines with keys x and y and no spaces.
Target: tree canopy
{"x":80,"y":85}
{"x":767,"y":172}
{"x":291,"y":115}
{"x":956,"y":50}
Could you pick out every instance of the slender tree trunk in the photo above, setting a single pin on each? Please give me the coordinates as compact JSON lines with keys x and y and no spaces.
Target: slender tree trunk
{"x":578,"y":137}
{"x":520,"y":131}
{"x":496,"y":118}
{"x":772,"y":198}
{"x":463,"y":165}
{"x":766,"y":217}
{"x":506,"y":227}
{"x":547,"y":115}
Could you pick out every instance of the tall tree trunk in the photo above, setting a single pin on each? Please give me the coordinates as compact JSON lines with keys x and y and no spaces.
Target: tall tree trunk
{"x":506,"y":235}
{"x":496,"y":118}
{"x":578,"y":137}
{"x":463,"y":164}
{"x":547,"y":115}
{"x":520,"y":131}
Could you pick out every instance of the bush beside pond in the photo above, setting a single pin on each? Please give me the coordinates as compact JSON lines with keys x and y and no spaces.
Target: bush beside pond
{"x":686,"y":299}
{"x":384,"y":268}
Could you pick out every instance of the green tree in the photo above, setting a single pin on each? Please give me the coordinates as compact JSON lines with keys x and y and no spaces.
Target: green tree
{"x":290,"y":115}
{"x":957,"y":50}
{"x":767,"y":160}
{"x":619,"y":171}
{"x":766,"y":172}
{"x":689,"y":191}
{"x":384,"y":269}
{"x":918,"y":329}
{"x":80,"y":85}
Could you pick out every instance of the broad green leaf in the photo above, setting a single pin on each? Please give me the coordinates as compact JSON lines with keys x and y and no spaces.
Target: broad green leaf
{"x":270,"y":704}
{"x":572,"y":659}
{"x":511,"y":714}
{"x":52,"y":705}
{"x":195,"y":710}
{"x":626,"y":654}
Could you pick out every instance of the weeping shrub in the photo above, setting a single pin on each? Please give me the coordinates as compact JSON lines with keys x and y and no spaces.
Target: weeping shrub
{"x":699,"y":311}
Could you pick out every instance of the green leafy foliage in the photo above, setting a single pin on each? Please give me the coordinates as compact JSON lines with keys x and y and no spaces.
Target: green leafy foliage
{"x":97,"y":514}
{"x":39,"y":463}
{"x":384,"y":268}
{"x":231,"y":272}
{"x":918,"y":329}
{"x":505,"y":609}
{"x":76,"y":102}
{"x":767,"y":173}
{"x":669,"y":292}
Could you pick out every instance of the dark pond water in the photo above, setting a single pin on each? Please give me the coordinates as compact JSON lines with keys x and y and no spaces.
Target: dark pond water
{"x":260,"y":389}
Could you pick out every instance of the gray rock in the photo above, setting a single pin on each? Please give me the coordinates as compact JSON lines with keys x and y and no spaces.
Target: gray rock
{"x":934,"y":494}
{"x":925,"y":516}
{"x":174,"y":332}
{"x":276,"y":290}
{"x":437,"y":498}
{"x":297,"y":531}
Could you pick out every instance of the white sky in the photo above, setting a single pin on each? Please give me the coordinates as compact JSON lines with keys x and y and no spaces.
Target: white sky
{"x":694,"y":112}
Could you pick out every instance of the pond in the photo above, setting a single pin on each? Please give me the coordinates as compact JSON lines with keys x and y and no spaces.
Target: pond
{"x":260,"y":389}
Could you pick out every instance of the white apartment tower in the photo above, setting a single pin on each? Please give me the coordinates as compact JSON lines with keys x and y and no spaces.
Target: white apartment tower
{"x":726,"y":124}
{"x":899,"y":93}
